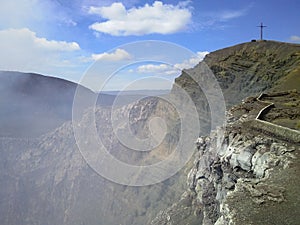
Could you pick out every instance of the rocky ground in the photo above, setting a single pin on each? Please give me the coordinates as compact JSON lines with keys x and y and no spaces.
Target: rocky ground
{"x":240,"y":176}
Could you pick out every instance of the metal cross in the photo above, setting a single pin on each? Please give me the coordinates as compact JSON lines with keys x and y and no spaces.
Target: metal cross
{"x":261,"y":30}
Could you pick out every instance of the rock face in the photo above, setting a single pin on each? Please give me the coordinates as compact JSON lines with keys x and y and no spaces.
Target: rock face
{"x":46,"y":180}
{"x":236,"y":176}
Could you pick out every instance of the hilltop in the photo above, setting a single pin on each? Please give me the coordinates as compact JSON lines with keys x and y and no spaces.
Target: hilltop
{"x":254,"y":67}
{"x":250,"y":68}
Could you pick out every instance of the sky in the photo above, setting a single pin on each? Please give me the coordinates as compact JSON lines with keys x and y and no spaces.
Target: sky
{"x":114,"y":45}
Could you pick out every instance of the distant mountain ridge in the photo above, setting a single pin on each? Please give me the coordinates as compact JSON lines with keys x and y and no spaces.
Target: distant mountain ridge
{"x":34,"y":104}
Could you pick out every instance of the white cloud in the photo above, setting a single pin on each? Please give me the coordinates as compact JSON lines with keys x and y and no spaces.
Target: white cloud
{"x":228,"y":15}
{"x":115,"y":11}
{"x":118,"y":55}
{"x":157,"y":18}
{"x":43,"y":43}
{"x":69,"y":22}
{"x":155,"y":69}
{"x":22,"y":50}
{"x":164,"y":69}
{"x":295,"y":38}
{"x":27,"y":38}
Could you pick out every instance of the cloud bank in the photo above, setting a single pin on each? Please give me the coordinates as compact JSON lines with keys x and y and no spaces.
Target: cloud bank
{"x":158,"y":18}
{"x":22,"y":50}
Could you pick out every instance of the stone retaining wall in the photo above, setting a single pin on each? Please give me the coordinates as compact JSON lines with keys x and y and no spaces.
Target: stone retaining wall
{"x":281,"y":132}
{"x":271,"y":128}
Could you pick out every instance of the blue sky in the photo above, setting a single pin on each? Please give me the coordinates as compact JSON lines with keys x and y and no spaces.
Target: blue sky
{"x":66,"y":38}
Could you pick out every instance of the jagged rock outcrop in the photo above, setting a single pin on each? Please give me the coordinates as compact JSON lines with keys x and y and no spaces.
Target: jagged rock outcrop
{"x":236,"y":170}
{"x":241,"y":162}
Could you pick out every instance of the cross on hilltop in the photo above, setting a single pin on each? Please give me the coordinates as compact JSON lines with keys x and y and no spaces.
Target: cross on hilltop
{"x":261,"y":30}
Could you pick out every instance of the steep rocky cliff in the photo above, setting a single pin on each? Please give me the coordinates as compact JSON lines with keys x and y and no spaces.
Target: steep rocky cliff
{"x":246,"y":171}
{"x":46,"y":180}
